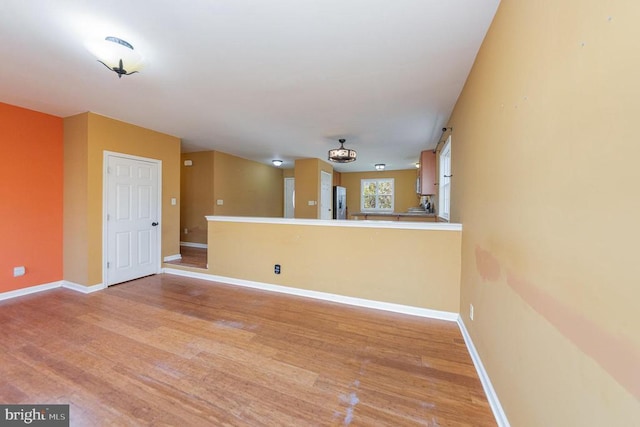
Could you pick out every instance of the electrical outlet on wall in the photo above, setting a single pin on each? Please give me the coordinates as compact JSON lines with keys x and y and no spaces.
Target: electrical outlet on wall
{"x":471,"y":311}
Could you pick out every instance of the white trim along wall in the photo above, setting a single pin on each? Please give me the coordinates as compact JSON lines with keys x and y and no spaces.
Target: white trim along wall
{"x":48,"y":286}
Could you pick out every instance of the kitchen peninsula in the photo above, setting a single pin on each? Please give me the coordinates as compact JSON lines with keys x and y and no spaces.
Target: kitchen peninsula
{"x":389,"y":263}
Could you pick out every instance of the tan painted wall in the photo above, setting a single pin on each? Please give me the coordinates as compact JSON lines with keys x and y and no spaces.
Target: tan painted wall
{"x":75,"y":206}
{"x":404,"y":187}
{"x":196,"y":189}
{"x":378,"y":264}
{"x":102,"y":134}
{"x":545,"y":153}
{"x":307,"y":176}
{"x":337,"y":178}
{"x":288,"y":173}
{"x":247,"y":188}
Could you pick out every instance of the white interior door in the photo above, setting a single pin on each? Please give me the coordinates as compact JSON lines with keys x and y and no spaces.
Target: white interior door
{"x":326,"y":199}
{"x":132,"y":218}
{"x":289,"y":197}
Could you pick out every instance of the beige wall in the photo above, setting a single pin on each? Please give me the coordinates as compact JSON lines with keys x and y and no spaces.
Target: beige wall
{"x":288,"y":173}
{"x":337,"y":178}
{"x":404,"y":187}
{"x":247,"y":188}
{"x":544,"y":153}
{"x":87,"y":136}
{"x":196,"y":189}
{"x":378,"y":264}
{"x":75,"y":205}
{"x":307,"y":176}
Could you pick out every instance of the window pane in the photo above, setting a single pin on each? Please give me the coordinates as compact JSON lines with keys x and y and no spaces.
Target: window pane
{"x":444,"y":195}
{"x":369,"y":201}
{"x":384,"y":202}
{"x":376,"y":194}
{"x":369,"y":188}
{"x":385,"y":188}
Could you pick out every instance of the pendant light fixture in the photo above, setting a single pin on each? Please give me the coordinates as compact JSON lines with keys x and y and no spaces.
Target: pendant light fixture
{"x":117,"y":55}
{"x":342,"y":155}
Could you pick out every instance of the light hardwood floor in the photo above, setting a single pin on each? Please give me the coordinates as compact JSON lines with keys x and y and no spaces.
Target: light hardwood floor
{"x":191,"y":257}
{"x":168,"y":350}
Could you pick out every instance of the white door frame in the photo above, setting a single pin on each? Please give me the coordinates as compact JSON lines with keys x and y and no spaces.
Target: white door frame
{"x":326,"y":197}
{"x":289,"y":180}
{"x":105,"y":248}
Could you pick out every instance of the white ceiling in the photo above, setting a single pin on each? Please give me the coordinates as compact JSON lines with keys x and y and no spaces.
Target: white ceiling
{"x":260,"y":79}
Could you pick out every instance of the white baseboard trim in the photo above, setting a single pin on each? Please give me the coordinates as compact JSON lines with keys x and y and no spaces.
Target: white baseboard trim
{"x":30,"y":290}
{"x":175,"y":257}
{"x":492,"y":397}
{"x":48,"y":286}
{"x":81,"y":288}
{"x":360,"y":302}
{"x":194,"y":245}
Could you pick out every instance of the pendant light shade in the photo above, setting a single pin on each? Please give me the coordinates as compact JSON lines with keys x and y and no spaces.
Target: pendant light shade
{"x":117,"y":55}
{"x":342,"y":155}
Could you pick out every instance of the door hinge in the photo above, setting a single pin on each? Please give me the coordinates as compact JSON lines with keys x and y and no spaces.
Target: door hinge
{"x":108,"y":217}
{"x":108,"y":264}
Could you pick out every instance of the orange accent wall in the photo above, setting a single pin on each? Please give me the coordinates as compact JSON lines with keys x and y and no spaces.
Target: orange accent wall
{"x":31,"y":181}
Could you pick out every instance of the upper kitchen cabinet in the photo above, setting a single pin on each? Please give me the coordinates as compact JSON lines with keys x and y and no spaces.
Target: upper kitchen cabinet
{"x":427,"y":172}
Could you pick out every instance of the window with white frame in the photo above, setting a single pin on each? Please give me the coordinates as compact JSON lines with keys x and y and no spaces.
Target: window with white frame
{"x":444,"y":192}
{"x":376,"y":195}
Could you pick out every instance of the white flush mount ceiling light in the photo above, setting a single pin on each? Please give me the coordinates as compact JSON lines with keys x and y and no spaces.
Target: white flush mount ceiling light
{"x":380,"y":166}
{"x":276,"y":163}
{"x":342,"y":155}
{"x":117,"y":55}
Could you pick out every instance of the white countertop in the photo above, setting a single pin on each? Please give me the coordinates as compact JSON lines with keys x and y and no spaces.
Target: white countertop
{"x":443,"y":226}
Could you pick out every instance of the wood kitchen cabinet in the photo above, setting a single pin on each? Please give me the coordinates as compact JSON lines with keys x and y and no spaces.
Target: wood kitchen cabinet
{"x":427,"y":172}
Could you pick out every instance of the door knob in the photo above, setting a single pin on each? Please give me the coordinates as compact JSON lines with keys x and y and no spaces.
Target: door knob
{"x":154,"y":224}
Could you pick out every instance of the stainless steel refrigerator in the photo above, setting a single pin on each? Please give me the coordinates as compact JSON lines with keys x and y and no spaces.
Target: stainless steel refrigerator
{"x":339,"y":202}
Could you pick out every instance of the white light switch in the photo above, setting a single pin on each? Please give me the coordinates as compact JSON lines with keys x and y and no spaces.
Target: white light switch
{"x":174,"y":201}
{"x":18,"y":271}
{"x":219,"y":202}
{"x":188,"y":163}
{"x":310,"y":202}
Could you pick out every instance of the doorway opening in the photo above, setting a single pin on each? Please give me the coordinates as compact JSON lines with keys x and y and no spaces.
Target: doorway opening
{"x":191,"y":255}
{"x":289,"y":197}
